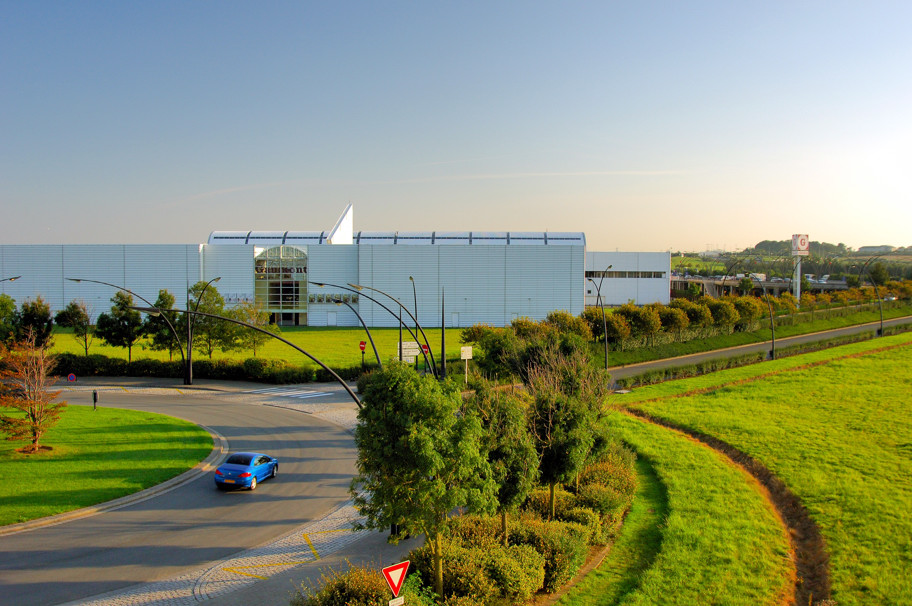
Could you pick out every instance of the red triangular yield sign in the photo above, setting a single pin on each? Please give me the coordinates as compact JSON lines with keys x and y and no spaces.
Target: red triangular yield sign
{"x":395,"y":575}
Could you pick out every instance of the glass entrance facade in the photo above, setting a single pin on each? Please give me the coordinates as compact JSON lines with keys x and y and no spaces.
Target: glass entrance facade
{"x":281,"y":283}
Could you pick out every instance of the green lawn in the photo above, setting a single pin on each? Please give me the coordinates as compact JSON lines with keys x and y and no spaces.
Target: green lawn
{"x":337,"y":347}
{"x":835,"y":426}
{"x":97,"y":456}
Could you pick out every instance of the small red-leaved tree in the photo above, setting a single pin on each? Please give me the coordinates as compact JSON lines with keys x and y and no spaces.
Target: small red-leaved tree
{"x":24,"y":387}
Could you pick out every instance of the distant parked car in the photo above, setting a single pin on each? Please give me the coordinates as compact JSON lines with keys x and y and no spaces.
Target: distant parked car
{"x":245,"y":470}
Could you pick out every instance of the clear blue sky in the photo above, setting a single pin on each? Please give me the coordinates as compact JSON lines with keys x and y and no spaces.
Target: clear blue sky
{"x":648,"y":125}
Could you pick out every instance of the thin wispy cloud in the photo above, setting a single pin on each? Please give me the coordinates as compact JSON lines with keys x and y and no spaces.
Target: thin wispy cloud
{"x":532,"y":175}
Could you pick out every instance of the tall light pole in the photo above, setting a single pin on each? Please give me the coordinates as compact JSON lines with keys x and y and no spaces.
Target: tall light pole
{"x":864,"y":268}
{"x":391,"y":312}
{"x":598,"y":291}
{"x":415,"y":295}
{"x":154,"y":311}
{"x":369,"y":336}
{"x":161,"y":314}
{"x":405,"y":309}
{"x":13,"y":279}
{"x":188,"y":379}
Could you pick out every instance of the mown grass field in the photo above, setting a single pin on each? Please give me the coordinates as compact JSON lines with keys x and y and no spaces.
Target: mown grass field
{"x":97,"y":456}
{"x":835,"y":426}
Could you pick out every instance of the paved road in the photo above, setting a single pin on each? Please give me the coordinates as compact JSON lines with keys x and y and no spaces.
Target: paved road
{"x":194,"y":524}
{"x":618,"y":372}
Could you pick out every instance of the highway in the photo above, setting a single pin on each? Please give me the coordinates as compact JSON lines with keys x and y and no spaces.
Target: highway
{"x":193,"y":524}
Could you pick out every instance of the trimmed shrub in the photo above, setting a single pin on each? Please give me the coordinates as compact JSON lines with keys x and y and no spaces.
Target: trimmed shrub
{"x":538,"y":502}
{"x":617,"y":474}
{"x":518,"y":571}
{"x":476,"y":531}
{"x":464,"y":570}
{"x":591,"y":521}
{"x":356,"y":587}
{"x":563,"y":545}
{"x":604,"y":499}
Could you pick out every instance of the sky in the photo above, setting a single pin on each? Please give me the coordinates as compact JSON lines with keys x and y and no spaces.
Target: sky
{"x":650,"y":126}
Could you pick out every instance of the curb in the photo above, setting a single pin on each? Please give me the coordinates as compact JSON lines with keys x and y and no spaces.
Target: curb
{"x":219,"y":448}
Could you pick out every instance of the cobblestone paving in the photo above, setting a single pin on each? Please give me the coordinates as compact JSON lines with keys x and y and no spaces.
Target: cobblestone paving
{"x":302,"y":546}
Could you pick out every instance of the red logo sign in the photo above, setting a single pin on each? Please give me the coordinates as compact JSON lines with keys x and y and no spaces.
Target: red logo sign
{"x":362,"y":345}
{"x":424,"y":348}
{"x":395,"y":575}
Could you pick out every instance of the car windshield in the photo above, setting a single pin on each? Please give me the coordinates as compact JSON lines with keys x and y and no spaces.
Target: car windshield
{"x":239,"y":459}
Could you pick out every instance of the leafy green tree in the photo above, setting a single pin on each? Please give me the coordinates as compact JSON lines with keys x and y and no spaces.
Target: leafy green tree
{"x":644,"y":321}
{"x":878,"y":273}
{"x":592,"y":316}
{"x":749,"y":311}
{"x":210,"y":334}
{"x":34,"y":318}
{"x":76,"y":316}
{"x":161,"y":336}
{"x":568,"y":394}
{"x":674,"y":321}
{"x":565,"y":322}
{"x":123,"y":326}
{"x":420,"y":456}
{"x":745,"y":286}
{"x":618,"y":329}
{"x":25,"y":381}
{"x":255,"y":315}
{"x":508,"y":443}
{"x":724,"y":314}
{"x":8,"y":319}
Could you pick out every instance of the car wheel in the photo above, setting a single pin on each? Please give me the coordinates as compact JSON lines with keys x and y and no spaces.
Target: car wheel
{"x":275,"y":470}
{"x":253,"y":483}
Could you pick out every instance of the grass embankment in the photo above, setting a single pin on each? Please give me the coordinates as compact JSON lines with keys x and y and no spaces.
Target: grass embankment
{"x":97,"y":456}
{"x":720,"y":542}
{"x":835,"y":426}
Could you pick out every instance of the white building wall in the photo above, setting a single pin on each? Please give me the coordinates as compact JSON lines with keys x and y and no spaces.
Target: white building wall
{"x":618,"y":291}
{"x":233,"y":265}
{"x":337,"y":264}
{"x":143,"y":269}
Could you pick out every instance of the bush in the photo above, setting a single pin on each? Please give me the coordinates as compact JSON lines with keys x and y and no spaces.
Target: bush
{"x":563,"y":545}
{"x":357,"y":587}
{"x":606,"y":500}
{"x":591,"y":521}
{"x":464,"y":570}
{"x":538,"y":502}
{"x":476,"y":530}
{"x":616,"y":473}
{"x":518,"y":571}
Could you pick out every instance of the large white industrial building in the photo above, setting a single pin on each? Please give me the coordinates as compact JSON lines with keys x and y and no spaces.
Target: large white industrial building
{"x":489,"y":277}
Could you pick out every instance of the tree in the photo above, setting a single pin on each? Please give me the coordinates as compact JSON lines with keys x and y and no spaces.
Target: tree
{"x":419,"y":456}
{"x":644,"y":321}
{"x":724,"y":314}
{"x":565,"y":322}
{"x":745,"y":286}
{"x":210,"y":334}
{"x":749,"y":311}
{"x":34,"y":319}
{"x":123,"y":326}
{"x":508,"y":443}
{"x":592,"y":316}
{"x":618,"y":329}
{"x":8,"y":319}
{"x":25,"y":370}
{"x":253,"y":314}
{"x":567,"y":398}
{"x":76,"y":316}
{"x":674,"y":320}
{"x":156,"y":327}
{"x":879,"y":274}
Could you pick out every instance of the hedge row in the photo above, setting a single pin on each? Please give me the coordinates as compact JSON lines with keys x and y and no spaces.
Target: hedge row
{"x":693,"y":370}
{"x":251,"y":369}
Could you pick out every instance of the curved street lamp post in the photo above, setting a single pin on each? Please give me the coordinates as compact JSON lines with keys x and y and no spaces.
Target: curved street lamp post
{"x":154,"y":311}
{"x":369,"y":336}
{"x":598,"y":291}
{"x":13,"y":279}
{"x":864,"y":269}
{"x":160,"y":313}
{"x":391,"y":312}
{"x":188,"y":380}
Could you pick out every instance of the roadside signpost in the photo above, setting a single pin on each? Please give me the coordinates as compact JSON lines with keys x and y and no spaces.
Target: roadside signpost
{"x":395,"y":575}
{"x":466,"y":354}
{"x":362,"y":346}
{"x":410,"y":350}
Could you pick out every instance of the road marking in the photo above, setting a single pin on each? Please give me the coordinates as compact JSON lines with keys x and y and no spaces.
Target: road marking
{"x":290,"y":392}
{"x":237,"y":570}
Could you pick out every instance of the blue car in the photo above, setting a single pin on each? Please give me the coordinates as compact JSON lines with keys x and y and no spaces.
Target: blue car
{"x":245,"y":470}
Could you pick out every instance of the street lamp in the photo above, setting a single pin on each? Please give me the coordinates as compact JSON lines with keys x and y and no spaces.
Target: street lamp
{"x":391,"y":312}
{"x":188,"y":379}
{"x":152,"y":311}
{"x":598,"y":291}
{"x":405,"y":309}
{"x":370,"y":338}
{"x":13,"y":279}
{"x":864,"y":268}
{"x":160,"y":313}
{"x":415,"y":295}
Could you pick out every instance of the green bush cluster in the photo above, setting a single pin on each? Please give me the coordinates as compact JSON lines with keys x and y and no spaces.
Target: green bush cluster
{"x":691,"y":370}
{"x":251,"y":369}
{"x":360,"y":586}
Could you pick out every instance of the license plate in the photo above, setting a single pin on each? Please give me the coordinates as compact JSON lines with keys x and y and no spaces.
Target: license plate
{"x":229,"y":481}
